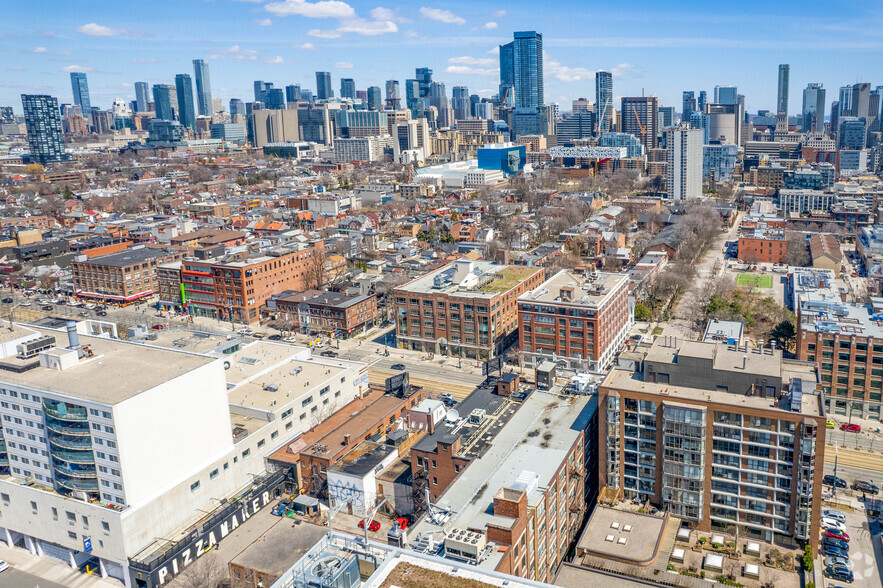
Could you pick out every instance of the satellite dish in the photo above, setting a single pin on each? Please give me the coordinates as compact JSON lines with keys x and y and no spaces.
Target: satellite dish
{"x":452,"y":416}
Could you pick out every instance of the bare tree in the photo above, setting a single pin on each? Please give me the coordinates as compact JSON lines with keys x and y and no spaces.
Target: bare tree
{"x":315,"y":273}
{"x":796,"y":252}
{"x":208,"y":571}
{"x":200,"y":174}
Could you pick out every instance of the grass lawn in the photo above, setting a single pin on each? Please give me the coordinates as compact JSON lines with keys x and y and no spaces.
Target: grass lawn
{"x":755,"y":280}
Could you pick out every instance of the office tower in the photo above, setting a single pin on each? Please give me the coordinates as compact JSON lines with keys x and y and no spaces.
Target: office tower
{"x":102,"y":121}
{"x":507,"y":74}
{"x":582,"y":105}
{"x":603,"y":100}
{"x":347,"y":88}
{"x":852,"y":133}
{"x":412,"y":96}
{"x":684,"y":156}
{"x":438,"y":95}
{"x":292,"y":93}
{"x":314,"y":124}
{"x":7,"y":117}
{"x":237,"y":107}
{"x":528,"y":70}
{"x":700,"y":120}
{"x":323,"y":85}
{"x":43,"y":122}
{"x":724,"y":123}
{"x":845,"y":101}
{"x":424,"y":79}
{"x":640,"y":117}
{"x":393,"y":95}
{"x":307,"y":95}
{"x":474,"y":101}
{"x":275,"y":126}
{"x":203,"y":87}
{"x":579,"y":125}
{"x":142,"y":96}
{"x":80,"y":87}
{"x":725,"y":95}
{"x":813,"y":108}
{"x":484,"y":110}
{"x":186,"y":111}
{"x":275,"y":99}
{"x":362,"y":95}
{"x":162,"y":101}
{"x":375,"y":98}
{"x":784,"y":81}
{"x":702,"y":100}
{"x":460,"y":102}
{"x":835,"y":119}
{"x":689,"y":106}
{"x":666,"y":116}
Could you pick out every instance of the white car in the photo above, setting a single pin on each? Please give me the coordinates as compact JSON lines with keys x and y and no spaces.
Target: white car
{"x":829,"y":523}
{"x":837,"y":561}
{"x":834,"y":514}
{"x":25,"y":303}
{"x":90,"y":306}
{"x":3,"y":566}
{"x":290,"y":340}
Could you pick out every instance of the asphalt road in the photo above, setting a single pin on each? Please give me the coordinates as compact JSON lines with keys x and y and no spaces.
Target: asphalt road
{"x":14,"y":578}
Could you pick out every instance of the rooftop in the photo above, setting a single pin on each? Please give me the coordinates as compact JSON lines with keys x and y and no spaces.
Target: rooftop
{"x":588,"y":288}
{"x":131,"y":256}
{"x":479,"y":279}
{"x":622,"y":534}
{"x":824,"y":313}
{"x":363,"y":458}
{"x":273,"y":552}
{"x":724,"y":357}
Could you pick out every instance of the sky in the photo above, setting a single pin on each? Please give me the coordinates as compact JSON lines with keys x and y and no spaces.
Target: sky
{"x":652,"y":47}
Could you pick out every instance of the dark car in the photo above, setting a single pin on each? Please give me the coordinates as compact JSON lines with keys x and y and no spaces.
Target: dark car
{"x":7,"y":301}
{"x":274,"y":338}
{"x":839,"y":573}
{"x":101,"y":313}
{"x":836,"y":552}
{"x":281,"y":506}
{"x":47,"y":307}
{"x":328,"y":354}
{"x":834,"y":481}
{"x":398,"y":366}
{"x":866,"y":487}
{"x":839,"y":544}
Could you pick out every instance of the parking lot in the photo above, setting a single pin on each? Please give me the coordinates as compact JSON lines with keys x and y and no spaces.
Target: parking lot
{"x":864,"y":549}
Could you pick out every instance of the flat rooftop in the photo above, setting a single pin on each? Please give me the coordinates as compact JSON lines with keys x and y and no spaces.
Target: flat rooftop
{"x":273,"y":552}
{"x":363,"y":458}
{"x":824,"y":314}
{"x":724,"y":357}
{"x":573,"y":576}
{"x":117,"y":371}
{"x":589,"y":289}
{"x":641,"y":532}
{"x":492,"y":279}
{"x":284,"y":382}
{"x":258,"y":357}
{"x":192,"y":341}
{"x":130,"y":256}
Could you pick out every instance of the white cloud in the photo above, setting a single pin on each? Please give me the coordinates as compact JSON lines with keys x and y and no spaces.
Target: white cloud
{"x":445,"y":16}
{"x":319,"y":34}
{"x":468,"y":60}
{"x":411,"y":34}
{"x":565,"y":73}
{"x":381,"y":13}
{"x":471,"y":71}
{"x":321,"y":9}
{"x":622,"y":69}
{"x":236,"y":53}
{"x":40,"y":49}
{"x":368,"y":28}
{"x":96,"y":30}
{"x":500,"y":13}
{"x":305,"y":47}
{"x":343,"y":65}
{"x":77,"y":68}
{"x":490,"y":25}
{"x":264,"y":22}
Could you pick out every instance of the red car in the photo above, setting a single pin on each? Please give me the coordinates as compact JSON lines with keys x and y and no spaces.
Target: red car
{"x":837,"y":535}
{"x":402,"y":523}
{"x":850,"y":428}
{"x":158,"y":327}
{"x":373,"y":526}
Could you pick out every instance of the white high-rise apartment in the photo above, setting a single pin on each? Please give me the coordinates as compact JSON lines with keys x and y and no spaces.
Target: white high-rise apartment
{"x":684,"y":163}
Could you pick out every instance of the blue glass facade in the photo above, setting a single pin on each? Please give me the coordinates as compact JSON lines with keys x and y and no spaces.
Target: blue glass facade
{"x":43,"y":122}
{"x":509,"y":160}
{"x":80,"y":87}
{"x":186,"y":110}
{"x":203,"y":87}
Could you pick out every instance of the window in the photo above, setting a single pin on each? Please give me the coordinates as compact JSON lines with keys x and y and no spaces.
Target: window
{"x":72,"y":535}
{"x":85,"y":520}
{"x":213,"y":474}
{"x":435,"y":481}
{"x":261,"y":443}
{"x":246,"y":453}
{"x":34,"y":507}
{"x":71,"y":517}
{"x":307,"y":401}
{"x":194,"y":486}
{"x":274,"y":434}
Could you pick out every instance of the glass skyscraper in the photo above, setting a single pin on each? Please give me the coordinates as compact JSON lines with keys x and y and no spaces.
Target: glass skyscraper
{"x":237,"y":106}
{"x":292,"y":93}
{"x":424,"y":79}
{"x":275,"y":99}
{"x":527,"y":59}
{"x":162,"y":101}
{"x":689,"y":105}
{"x":813,"y":108}
{"x":375,"y":98}
{"x":393,"y":94}
{"x":603,"y":100}
{"x":725,"y":94}
{"x":323,"y":85}
{"x":142,"y":96}
{"x":43,"y":121}
{"x":460,"y":103}
{"x":507,"y":74}
{"x":347,"y":88}
{"x":186,"y":112}
{"x":784,"y":82}
{"x":203,"y":87}
{"x":80,"y":87}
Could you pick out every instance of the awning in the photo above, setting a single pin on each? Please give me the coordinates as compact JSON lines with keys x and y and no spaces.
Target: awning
{"x":113,"y":297}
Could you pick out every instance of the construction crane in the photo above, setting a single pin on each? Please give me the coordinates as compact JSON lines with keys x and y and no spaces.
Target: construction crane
{"x":640,"y":126}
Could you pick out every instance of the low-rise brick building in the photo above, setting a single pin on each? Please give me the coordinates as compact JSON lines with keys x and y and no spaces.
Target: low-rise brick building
{"x":121,"y":277}
{"x":763,"y":247}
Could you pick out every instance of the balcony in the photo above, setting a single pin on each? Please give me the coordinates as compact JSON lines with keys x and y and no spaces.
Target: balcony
{"x":68,"y":429}
{"x":64,"y":442}
{"x":77,"y":485}
{"x":67,"y":413}
{"x":69,"y":456}
{"x":76,"y":472}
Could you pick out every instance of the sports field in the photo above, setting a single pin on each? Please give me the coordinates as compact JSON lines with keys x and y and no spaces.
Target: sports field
{"x":754,"y":280}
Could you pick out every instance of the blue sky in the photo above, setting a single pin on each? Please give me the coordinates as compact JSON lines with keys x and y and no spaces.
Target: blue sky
{"x":659,"y":48}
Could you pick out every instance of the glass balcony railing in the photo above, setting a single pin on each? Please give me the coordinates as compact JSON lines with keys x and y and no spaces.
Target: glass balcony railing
{"x":65,"y":442}
{"x":74,"y":471}
{"x":63,"y":428}
{"x":84,"y":485}
{"x":65,"y":413}
{"x":71,"y":456}
{"x":4,"y":460}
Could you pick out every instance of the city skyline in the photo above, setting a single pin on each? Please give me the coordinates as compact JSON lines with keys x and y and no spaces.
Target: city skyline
{"x":288,"y":41}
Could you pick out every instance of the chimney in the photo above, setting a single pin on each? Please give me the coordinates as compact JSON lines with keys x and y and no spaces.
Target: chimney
{"x":346,"y":439}
{"x":73,"y":338}
{"x":744,"y":362}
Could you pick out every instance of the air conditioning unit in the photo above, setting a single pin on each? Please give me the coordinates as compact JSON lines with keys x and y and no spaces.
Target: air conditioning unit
{"x":332,"y":569}
{"x":32,"y":348}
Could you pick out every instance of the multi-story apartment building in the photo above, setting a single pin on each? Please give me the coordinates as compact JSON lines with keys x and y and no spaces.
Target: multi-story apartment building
{"x":330,"y":312}
{"x":466,"y":308}
{"x":121,"y":277}
{"x":579,"y":315}
{"x":89,"y":425}
{"x":717,"y":435}
{"x":763,"y":247}
{"x":236,"y":286}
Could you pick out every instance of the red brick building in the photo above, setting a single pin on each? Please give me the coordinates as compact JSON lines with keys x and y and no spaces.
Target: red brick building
{"x":121,"y":277}
{"x":768,"y":247}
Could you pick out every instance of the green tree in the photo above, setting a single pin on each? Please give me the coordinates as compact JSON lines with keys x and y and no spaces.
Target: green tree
{"x":784,"y":334}
{"x":642,"y":312}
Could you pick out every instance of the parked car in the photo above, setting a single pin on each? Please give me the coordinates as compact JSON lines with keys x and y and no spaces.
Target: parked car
{"x":398,"y":366}
{"x":47,"y":307}
{"x":328,"y":353}
{"x":834,"y":551}
{"x":274,"y":338}
{"x":830,"y":560}
{"x":834,"y":481}
{"x":839,"y":573}
{"x":7,"y":301}
{"x":101,"y":313}
{"x":25,"y":303}
{"x":834,"y":514}
{"x":829,"y":424}
{"x":447,"y":398}
{"x":290,"y":340}
{"x":3,"y":566}
{"x":84,"y":314}
{"x":850,"y":428}
{"x":838,"y":543}
{"x":836,"y":534}
{"x":402,"y":522}
{"x":91,"y":306}
{"x":832,"y":524}
{"x":866,"y":487}
{"x":158,"y":327}
{"x":281,"y":506}
{"x":373,"y":526}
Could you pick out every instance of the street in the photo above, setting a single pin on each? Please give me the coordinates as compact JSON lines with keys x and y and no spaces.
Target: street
{"x":15,"y":578}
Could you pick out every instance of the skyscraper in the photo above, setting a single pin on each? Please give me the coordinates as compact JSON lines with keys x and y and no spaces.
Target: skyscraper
{"x":813,"y":108}
{"x":347,"y":88}
{"x":375,"y":98}
{"x":702,"y":101}
{"x":186,"y":111}
{"x":7,"y":117}
{"x":528,"y":69}
{"x":507,"y":74}
{"x":81,"y":92}
{"x":393,"y":94}
{"x":142,"y":96}
{"x":438,"y":95}
{"x":684,"y":156}
{"x":640,"y":117}
{"x":725,"y":94}
{"x":203,"y":87}
{"x":275,"y":99}
{"x":603,"y":100}
{"x":424,"y":79}
{"x":237,"y":106}
{"x":43,"y":121}
{"x":292,"y":93}
{"x":323,"y":85}
{"x":689,"y":106}
{"x":261,"y":89}
{"x":784,"y":81}
{"x":460,"y":102}
{"x":162,"y":101}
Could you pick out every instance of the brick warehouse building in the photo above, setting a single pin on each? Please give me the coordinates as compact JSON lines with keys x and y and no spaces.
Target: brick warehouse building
{"x":465,"y":308}
{"x":121,"y":277}
{"x":717,"y":436}
{"x":576,"y":314}
{"x":763,"y":247}
{"x":328,"y":312}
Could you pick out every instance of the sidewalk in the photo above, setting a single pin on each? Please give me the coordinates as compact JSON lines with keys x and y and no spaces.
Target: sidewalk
{"x":51,"y":570}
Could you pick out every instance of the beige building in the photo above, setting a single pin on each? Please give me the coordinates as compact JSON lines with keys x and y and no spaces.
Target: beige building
{"x":274,"y":126}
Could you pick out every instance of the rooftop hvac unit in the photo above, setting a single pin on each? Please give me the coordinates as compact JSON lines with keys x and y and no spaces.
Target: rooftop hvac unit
{"x":477,"y":415}
{"x":32,"y":348}
{"x":332,"y":570}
